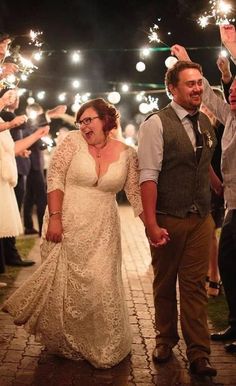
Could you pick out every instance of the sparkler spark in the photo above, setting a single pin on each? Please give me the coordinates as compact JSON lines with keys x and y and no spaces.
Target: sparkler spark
{"x":154,"y":35}
{"x":35,"y":38}
{"x":25,"y":66}
{"x":219,"y":13}
{"x":152,"y":103}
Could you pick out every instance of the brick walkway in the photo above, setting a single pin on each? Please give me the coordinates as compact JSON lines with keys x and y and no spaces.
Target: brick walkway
{"x":25,"y":362}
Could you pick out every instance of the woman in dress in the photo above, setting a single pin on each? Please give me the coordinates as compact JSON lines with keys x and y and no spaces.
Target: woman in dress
{"x":10,"y":221}
{"x":75,"y":301}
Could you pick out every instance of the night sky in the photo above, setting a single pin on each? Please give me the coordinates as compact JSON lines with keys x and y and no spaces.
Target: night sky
{"x":109,"y":35}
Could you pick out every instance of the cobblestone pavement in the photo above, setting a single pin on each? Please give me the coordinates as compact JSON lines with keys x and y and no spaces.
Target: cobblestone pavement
{"x":25,"y":362}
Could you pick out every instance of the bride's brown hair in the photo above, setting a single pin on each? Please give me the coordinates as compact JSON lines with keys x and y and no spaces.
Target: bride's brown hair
{"x":106,"y":112}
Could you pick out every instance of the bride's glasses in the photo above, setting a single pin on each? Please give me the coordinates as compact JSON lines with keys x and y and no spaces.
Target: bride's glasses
{"x":85,"y":122}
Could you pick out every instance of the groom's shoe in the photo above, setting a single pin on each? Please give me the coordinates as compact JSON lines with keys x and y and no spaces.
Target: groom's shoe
{"x":228,"y":334}
{"x":202,"y":367}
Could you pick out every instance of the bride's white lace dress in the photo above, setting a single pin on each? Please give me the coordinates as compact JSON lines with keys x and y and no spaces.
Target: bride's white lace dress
{"x":74,"y":303}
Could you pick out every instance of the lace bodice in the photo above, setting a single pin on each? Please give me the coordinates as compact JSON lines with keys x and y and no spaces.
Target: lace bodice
{"x":73,"y":165}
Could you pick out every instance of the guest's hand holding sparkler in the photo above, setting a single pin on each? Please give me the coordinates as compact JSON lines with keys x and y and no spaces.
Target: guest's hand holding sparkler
{"x":8,"y":69}
{"x":224,"y":67}
{"x":7,"y":98}
{"x":228,"y":38}
{"x":17,"y":121}
{"x":180,"y":52}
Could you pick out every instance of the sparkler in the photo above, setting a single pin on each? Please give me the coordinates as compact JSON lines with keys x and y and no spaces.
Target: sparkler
{"x":152,"y":103}
{"x":25,"y":66}
{"x":35,"y":38}
{"x":219,"y":13}
{"x":154,"y":35}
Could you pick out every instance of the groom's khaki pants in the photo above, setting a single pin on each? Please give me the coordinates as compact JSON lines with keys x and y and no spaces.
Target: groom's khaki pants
{"x":186,"y":258}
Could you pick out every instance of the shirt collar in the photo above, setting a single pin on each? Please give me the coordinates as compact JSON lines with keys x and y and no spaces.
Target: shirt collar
{"x":179,"y":110}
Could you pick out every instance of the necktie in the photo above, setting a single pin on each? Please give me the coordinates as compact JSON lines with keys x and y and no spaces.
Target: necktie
{"x":198,"y":135}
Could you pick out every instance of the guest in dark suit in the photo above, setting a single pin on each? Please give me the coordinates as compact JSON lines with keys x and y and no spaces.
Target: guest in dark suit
{"x":35,"y":193}
{"x":35,"y":182}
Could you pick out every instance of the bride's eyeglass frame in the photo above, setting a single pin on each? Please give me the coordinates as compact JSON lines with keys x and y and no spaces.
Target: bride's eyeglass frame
{"x":85,"y":122}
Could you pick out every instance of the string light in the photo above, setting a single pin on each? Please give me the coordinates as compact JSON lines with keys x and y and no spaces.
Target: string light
{"x":145,"y":52}
{"x":125,"y":87}
{"x":170,"y":61}
{"x":41,"y":95}
{"x":139,"y":97}
{"x":76,"y":56}
{"x":76,"y":83}
{"x":114,"y":97}
{"x":62,"y":97}
{"x":140,"y":66}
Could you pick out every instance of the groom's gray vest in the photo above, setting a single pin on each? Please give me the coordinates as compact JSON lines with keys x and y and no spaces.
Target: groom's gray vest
{"x":182,"y":182}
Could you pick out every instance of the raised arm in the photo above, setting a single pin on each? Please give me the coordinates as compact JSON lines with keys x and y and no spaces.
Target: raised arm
{"x":26,"y":142}
{"x":180,"y":52}
{"x":17,"y":121}
{"x":224,"y":67}
{"x":8,"y":69}
{"x":7,"y":99}
{"x":214,"y":103}
{"x":228,"y":38}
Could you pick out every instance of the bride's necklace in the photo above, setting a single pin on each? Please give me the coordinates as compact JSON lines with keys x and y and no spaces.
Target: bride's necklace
{"x":99,"y":149}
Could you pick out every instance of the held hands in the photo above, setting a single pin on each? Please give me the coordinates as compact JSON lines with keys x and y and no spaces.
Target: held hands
{"x":216,"y":183}
{"x":180,"y":52}
{"x":218,"y":188}
{"x":157,"y":236}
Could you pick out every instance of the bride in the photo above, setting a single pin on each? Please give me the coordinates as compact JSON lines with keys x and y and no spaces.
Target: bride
{"x":74,"y":303}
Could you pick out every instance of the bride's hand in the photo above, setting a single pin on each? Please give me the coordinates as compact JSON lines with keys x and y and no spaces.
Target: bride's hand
{"x":55,"y":230}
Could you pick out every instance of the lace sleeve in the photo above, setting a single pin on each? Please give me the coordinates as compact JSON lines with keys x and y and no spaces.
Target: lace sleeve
{"x":131,"y":187}
{"x":60,"y":162}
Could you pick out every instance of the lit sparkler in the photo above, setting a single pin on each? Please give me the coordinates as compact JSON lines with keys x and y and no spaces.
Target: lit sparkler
{"x":219,"y":13}
{"x":35,"y":38}
{"x":25,"y":66}
{"x":154,"y":35}
{"x":152,"y":103}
